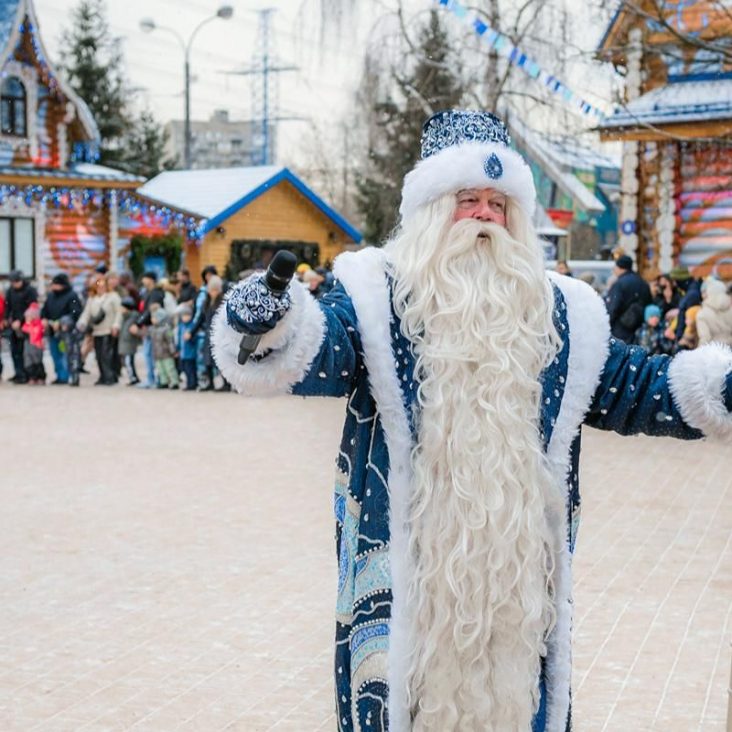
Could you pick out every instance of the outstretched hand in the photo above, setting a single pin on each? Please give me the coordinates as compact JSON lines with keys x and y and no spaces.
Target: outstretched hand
{"x":253,"y":308}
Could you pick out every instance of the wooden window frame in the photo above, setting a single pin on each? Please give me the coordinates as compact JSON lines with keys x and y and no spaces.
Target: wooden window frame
{"x":12,"y":220}
{"x":13,"y":103}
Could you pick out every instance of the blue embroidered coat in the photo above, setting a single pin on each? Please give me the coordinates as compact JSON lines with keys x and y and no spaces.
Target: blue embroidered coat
{"x":349,"y":345}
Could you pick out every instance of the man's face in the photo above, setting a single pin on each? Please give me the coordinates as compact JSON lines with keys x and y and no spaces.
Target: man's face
{"x":483,"y":204}
{"x":148,"y":283}
{"x":56,"y":287}
{"x":17,"y":284}
{"x":183,"y":278}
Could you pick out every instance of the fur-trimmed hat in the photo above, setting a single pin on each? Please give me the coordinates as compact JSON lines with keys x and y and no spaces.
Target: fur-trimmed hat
{"x":463,"y":149}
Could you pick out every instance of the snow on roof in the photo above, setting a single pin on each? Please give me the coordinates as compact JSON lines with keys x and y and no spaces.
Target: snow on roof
{"x":564,"y":150}
{"x":688,"y":101}
{"x":218,"y":193}
{"x":575,"y":155}
{"x":207,"y":192}
{"x":102,"y":172}
{"x":542,"y":154}
{"x":80,"y":172}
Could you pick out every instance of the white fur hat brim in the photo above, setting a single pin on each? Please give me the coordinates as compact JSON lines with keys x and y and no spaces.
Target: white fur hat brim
{"x":464,"y":166}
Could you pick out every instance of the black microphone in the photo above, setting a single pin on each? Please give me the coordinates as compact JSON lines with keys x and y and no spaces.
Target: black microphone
{"x":277,"y":278}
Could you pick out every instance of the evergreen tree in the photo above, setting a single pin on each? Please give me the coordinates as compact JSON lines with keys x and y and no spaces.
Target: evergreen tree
{"x":428,"y":81}
{"x":91,"y":59}
{"x":145,"y":147}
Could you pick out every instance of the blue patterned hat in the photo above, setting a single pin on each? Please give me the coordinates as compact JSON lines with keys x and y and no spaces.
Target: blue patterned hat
{"x":454,"y":126}
{"x":466,"y":149}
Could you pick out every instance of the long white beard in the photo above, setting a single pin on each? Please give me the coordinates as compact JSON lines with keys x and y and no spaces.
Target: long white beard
{"x":478,"y":310}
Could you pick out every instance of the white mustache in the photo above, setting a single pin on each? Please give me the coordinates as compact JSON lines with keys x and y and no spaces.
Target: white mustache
{"x":474,"y":229}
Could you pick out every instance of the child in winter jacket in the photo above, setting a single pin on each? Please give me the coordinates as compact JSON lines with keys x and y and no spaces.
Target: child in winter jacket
{"x":33,"y":345}
{"x":187,"y":346}
{"x":163,"y":348}
{"x":129,"y":340}
{"x":651,"y":334}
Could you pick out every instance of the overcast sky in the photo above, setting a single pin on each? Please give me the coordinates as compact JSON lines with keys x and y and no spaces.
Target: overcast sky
{"x":320,"y":90}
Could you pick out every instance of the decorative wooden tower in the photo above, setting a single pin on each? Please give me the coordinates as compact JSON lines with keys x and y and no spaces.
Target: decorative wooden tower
{"x":676,"y":128}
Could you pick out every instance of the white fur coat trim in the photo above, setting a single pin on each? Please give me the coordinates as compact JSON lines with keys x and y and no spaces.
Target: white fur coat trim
{"x":463,"y":166}
{"x":363,"y":275}
{"x":295,"y":342}
{"x":589,"y":336}
{"x":697,"y":382}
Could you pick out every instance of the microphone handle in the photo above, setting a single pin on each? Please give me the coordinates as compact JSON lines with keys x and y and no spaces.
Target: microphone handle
{"x":247,"y":346}
{"x":277,"y":278}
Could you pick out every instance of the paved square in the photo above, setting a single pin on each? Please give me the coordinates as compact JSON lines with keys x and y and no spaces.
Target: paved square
{"x":167,"y":562}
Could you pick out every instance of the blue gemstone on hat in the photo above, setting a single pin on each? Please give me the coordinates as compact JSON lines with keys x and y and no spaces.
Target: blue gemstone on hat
{"x":455,"y":126}
{"x":492,"y":166}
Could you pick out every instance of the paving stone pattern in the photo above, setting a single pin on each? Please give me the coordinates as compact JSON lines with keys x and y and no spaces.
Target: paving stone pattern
{"x":167,"y":563}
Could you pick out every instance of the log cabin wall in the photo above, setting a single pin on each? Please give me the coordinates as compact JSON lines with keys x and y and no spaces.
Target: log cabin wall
{"x":75,"y":241}
{"x":648,"y":209}
{"x":704,"y":207}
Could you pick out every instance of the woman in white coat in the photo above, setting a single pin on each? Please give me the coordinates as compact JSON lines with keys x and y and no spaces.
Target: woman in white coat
{"x":714,"y":320}
{"x":103,"y":313}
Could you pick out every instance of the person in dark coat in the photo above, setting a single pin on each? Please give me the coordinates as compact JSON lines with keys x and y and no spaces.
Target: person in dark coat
{"x":128,"y":341}
{"x":667,"y":297}
{"x":215,"y":288}
{"x":690,"y":289}
{"x":153,"y":295}
{"x":200,"y":307}
{"x":21,"y":294}
{"x":61,"y":300}
{"x":627,"y":300}
{"x":188,"y":290}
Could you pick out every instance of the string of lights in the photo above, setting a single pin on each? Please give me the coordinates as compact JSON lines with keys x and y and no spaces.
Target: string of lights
{"x":78,"y":198}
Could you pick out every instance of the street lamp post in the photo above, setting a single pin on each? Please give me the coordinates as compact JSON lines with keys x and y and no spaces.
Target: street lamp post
{"x":148,"y":25}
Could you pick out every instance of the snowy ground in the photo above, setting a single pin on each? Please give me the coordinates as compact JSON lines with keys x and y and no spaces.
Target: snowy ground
{"x":167,"y":562}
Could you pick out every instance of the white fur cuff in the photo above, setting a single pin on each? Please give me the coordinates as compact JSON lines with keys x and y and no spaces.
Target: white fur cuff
{"x":464,"y":166}
{"x":697,"y":382}
{"x":294,"y":342}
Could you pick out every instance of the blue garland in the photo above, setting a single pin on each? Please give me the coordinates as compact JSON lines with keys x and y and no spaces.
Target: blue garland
{"x":128,"y":203}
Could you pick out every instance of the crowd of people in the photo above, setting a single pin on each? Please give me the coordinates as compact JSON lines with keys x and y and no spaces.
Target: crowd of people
{"x":671,"y":313}
{"x":168,"y":321}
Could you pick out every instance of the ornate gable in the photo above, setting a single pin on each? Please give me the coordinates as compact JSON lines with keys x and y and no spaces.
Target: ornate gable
{"x":43,"y":123}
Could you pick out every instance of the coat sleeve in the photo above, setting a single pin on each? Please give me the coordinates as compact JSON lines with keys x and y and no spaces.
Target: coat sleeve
{"x":117,"y":314}
{"x":687,"y":396}
{"x":614,"y":302}
{"x":702,"y":328}
{"x":83,"y":320}
{"x":314,"y":350}
{"x":75,"y":307}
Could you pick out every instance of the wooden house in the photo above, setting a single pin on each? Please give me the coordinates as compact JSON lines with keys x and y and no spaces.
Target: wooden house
{"x":59,"y":210}
{"x":246,"y":214}
{"x":675,"y":123}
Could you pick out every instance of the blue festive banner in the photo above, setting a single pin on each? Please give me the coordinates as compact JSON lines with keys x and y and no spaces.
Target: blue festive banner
{"x":516,"y":57}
